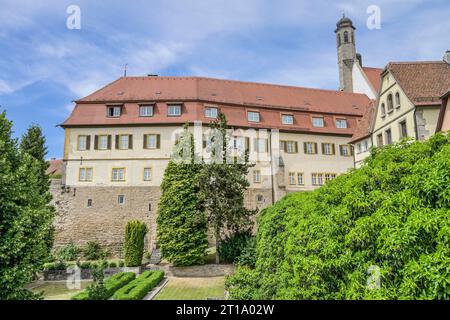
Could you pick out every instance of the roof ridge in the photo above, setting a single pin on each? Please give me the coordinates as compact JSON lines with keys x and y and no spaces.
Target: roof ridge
{"x":418,"y":62}
{"x":244,"y":82}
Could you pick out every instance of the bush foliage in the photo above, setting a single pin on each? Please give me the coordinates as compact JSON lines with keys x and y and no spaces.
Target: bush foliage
{"x":134,"y":243}
{"x":112,"y":284}
{"x":138,"y":288}
{"x":238,"y":248}
{"x":390,"y":217}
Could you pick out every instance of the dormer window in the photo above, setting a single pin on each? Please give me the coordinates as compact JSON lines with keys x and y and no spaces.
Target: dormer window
{"x":114,"y":111}
{"x":341,"y":123}
{"x":174,"y":110}
{"x":318,"y":122}
{"x":146,"y":111}
{"x":211,"y":112}
{"x":253,"y":116}
{"x":287,"y":119}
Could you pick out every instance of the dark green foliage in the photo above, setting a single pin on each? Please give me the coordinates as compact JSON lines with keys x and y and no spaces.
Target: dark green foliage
{"x":57,"y":265}
{"x":97,"y":290}
{"x":392,"y":214}
{"x":181,"y":223}
{"x":26,"y":217}
{"x":134,"y":243}
{"x":68,"y":253}
{"x":112,"y":264}
{"x":138,"y":288}
{"x":121,"y":264}
{"x":93,"y":251}
{"x":238,"y":248}
{"x":223,"y":182}
{"x":112,"y":284}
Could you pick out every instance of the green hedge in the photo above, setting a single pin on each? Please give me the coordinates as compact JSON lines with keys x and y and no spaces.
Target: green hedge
{"x":378,"y":232}
{"x":139,"y":287}
{"x":134,"y":243}
{"x":112,"y":284}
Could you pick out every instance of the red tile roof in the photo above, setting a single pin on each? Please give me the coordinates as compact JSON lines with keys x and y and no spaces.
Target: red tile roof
{"x":374,"y":77}
{"x":233,"y":97}
{"x":364,"y":124}
{"x":423,"y":82}
{"x":55,"y":166}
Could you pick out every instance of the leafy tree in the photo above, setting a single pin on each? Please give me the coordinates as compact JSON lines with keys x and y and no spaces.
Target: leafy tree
{"x":181,"y":223}
{"x":97,"y":290}
{"x":25,"y":217}
{"x":378,"y":232}
{"x":33,"y":143}
{"x":223,"y":183}
{"x":134,"y":243}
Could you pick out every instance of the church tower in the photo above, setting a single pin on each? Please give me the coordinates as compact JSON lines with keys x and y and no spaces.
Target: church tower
{"x":346,"y":50}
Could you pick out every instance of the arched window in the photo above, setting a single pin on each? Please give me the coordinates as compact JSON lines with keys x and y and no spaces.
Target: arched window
{"x":383,"y":110}
{"x":397,"y":100}
{"x":390,"y":103}
{"x":345,"y":36}
{"x":339,"y":39}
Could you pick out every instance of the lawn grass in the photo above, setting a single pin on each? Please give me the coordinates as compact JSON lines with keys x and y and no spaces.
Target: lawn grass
{"x":192,"y":288}
{"x":56,"y":290}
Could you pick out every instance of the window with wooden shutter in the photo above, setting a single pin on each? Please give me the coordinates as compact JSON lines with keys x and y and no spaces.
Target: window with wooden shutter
{"x":117,"y":142}
{"x":130,"y":141}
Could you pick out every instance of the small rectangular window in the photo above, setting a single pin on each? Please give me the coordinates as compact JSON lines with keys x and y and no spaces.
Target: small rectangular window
{"x":287,"y":119}
{"x":320,"y":179}
{"x":314,"y":179}
{"x":103,"y":142}
{"x":89,"y":203}
{"x":146,"y":111}
{"x":341,"y":123}
{"x":291,"y":178}
{"x":147,"y":174}
{"x":211,"y":112}
{"x":300,"y":179}
{"x":151,"y":141}
{"x":256,"y":176}
{"x":317,"y":122}
{"x":83,"y":143}
{"x":403,"y":131}
{"x":85,"y":174}
{"x":114,"y":111}
{"x":124,"y":141}
{"x":346,"y":150}
{"x":328,"y":148}
{"x":289,"y":146}
{"x":174,"y":110}
{"x":310,"y":147}
{"x":253,"y":116}
{"x":388,"y":134}
{"x":118,"y":174}
{"x":380,"y":140}
{"x":121,"y":199}
{"x":260,"y":198}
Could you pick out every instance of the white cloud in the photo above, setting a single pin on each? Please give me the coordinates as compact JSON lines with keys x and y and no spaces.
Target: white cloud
{"x":5,"y":88}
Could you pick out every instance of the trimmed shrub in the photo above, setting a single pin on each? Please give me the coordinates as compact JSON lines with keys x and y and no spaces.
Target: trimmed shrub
{"x":233,"y":246}
{"x":121,"y":264}
{"x":112,"y":264}
{"x":85,"y":265}
{"x":139,"y":287}
{"x":134,"y":243}
{"x":68,"y":253}
{"x":93,"y":251}
{"x":112,"y":284}
{"x":58,"y":265}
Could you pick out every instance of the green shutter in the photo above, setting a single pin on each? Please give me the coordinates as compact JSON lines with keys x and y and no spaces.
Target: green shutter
{"x":88,"y":142}
{"x":130,"y":141}
{"x":145,"y":141}
{"x":296,"y":146}
{"x":109,"y":142}
{"x":95,"y":142}
{"x":333,"y":149}
{"x":158,"y":141}
{"x":117,"y":141}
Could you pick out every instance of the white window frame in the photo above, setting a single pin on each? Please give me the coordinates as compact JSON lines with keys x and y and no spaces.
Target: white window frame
{"x":316,"y":124}
{"x":292,"y":178}
{"x":100,"y":141}
{"x":171,"y":108}
{"x":211,"y":112}
{"x":118,"y":174}
{"x":85,"y":174}
{"x":300,"y":179}
{"x":146,"y":110}
{"x":253,"y":116}
{"x":121,"y":199}
{"x":121,"y":142}
{"x":148,"y":174}
{"x":82,"y":146}
{"x":149,"y":139}
{"x":117,"y":111}
{"x":256,"y":176}
{"x":341,"y":123}
{"x":287,"y":116}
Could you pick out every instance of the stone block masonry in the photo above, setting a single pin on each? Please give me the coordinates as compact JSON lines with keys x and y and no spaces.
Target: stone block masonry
{"x":95,"y":214}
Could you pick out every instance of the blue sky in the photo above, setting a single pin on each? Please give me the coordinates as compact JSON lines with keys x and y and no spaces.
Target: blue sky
{"x":44,"y":66}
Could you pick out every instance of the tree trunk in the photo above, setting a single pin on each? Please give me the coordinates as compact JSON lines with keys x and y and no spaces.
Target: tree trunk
{"x":217,"y":249}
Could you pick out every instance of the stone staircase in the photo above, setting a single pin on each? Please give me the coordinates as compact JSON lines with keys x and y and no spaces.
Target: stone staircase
{"x":155,"y":258}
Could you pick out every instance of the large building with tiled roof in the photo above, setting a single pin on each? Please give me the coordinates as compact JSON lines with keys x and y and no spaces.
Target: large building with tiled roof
{"x":119,"y":139}
{"x":410,"y":100}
